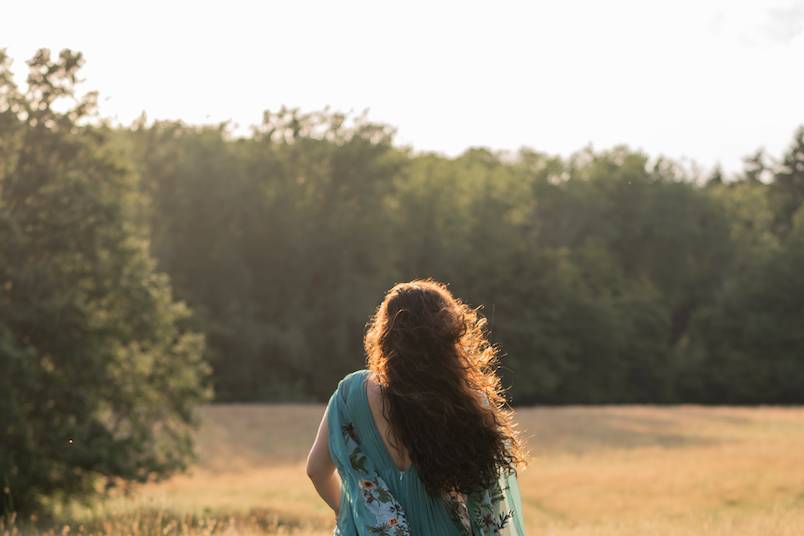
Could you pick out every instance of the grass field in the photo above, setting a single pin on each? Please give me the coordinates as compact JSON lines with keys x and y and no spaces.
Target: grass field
{"x":682,"y":470}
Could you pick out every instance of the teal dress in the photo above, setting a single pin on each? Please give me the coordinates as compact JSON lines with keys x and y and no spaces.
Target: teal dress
{"x":378,"y":498}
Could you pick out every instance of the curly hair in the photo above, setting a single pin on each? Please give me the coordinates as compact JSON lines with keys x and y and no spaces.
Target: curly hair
{"x":431,"y":357}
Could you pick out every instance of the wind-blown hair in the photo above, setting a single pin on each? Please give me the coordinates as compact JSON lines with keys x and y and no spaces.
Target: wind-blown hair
{"x":432,"y":359}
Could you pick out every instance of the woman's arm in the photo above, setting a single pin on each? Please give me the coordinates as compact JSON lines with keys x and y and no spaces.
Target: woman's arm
{"x":321,"y":469}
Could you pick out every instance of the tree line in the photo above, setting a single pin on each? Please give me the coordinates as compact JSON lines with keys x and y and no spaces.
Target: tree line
{"x":607,"y":277}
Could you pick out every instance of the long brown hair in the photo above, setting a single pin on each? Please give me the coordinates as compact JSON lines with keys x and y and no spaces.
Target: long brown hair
{"x":433,"y":361}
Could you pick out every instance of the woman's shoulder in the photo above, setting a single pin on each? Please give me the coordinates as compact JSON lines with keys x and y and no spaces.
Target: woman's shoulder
{"x":350,"y":381}
{"x":355,"y":376}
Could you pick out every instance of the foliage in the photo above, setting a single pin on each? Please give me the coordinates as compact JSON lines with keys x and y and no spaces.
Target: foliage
{"x":601,"y":274}
{"x":98,"y":373}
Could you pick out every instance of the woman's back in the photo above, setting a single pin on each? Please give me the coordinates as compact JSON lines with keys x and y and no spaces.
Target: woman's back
{"x":377,"y":404}
{"x":424,"y":514}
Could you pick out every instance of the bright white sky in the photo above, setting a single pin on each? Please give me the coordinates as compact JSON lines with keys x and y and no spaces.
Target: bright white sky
{"x":708,"y":80}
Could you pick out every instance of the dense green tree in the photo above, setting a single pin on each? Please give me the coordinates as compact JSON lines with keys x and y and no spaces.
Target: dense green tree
{"x":98,"y":373}
{"x":745,"y":344}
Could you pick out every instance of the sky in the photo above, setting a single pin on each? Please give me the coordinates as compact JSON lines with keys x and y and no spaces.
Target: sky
{"x":704,"y":81}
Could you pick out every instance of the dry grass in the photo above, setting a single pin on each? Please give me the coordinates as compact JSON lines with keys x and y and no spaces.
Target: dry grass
{"x":601,"y":471}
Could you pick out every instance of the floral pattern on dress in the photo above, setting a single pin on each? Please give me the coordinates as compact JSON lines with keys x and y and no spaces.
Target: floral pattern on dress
{"x":377,"y":498}
{"x":458,"y":511}
{"x":488,"y":515}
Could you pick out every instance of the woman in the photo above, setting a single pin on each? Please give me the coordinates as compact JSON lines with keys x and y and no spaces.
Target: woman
{"x":421,"y":440}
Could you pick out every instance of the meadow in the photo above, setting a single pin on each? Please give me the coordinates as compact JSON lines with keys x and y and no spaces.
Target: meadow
{"x":604,"y":470}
